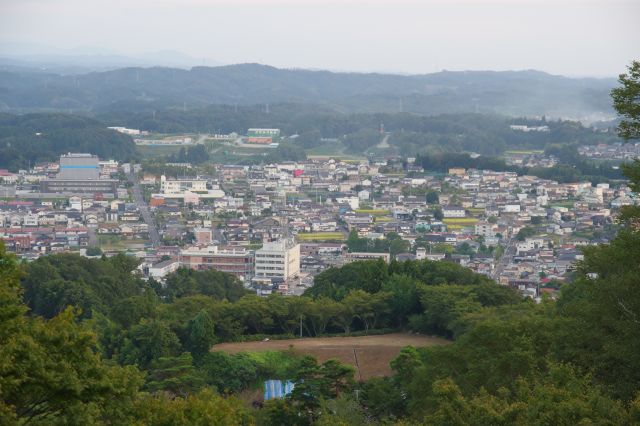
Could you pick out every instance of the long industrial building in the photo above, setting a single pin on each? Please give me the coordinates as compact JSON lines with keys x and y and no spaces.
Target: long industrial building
{"x":79,"y":174}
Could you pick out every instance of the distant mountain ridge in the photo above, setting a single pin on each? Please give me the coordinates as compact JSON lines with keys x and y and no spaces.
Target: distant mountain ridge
{"x":514,"y":93}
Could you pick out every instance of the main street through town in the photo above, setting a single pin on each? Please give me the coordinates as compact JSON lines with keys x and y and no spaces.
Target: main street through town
{"x":507,"y":255}
{"x":154,"y":236}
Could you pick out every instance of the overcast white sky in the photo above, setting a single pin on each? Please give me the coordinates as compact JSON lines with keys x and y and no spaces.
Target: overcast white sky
{"x":570,"y":37}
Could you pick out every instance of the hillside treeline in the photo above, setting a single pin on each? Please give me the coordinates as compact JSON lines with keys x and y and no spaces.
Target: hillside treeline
{"x":513,"y":93}
{"x":31,"y":138}
{"x":483,"y":133}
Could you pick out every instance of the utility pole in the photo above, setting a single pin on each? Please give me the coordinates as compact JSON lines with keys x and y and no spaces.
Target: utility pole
{"x":301,"y":326}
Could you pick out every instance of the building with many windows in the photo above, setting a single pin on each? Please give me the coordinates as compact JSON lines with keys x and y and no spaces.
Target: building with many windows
{"x":278,"y":259}
{"x":179,"y":186}
{"x":233,"y":260}
{"x":79,"y":174}
{"x":263,"y":136}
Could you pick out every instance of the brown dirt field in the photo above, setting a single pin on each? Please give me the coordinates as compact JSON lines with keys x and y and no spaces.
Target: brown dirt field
{"x":373,"y":352}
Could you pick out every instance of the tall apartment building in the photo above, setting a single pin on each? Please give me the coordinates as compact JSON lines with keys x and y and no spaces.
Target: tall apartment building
{"x":79,"y":174}
{"x":233,"y":260}
{"x":278,"y":259}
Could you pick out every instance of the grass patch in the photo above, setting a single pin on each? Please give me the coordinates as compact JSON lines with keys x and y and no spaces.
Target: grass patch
{"x":454,"y":227}
{"x":567,"y":204}
{"x":460,"y":221}
{"x":327,"y":148}
{"x":476,"y":210}
{"x":382,"y":219}
{"x":320,"y":236}
{"x":525,"y":152}
{"x":119,"y":243}
{"x":150,"y":151}
{"x":374,"y":212}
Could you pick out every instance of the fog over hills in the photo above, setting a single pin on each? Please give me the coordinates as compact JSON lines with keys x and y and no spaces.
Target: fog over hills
{"x":515,"y":93}
{"x":81,"y":60}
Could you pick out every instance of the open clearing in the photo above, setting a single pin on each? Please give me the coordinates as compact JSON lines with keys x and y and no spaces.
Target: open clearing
{"x":374,"y":212}
{"x":460,"y":221}
{"x":370,"y":355}
{"x":320,"y":236}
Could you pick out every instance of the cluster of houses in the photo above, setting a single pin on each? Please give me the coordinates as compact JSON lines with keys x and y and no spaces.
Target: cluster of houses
{"x":615,"y":151}
{"x":276,"y":226}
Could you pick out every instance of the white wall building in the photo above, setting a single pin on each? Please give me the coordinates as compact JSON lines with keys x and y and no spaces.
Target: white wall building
{"x":162,"y":269}
{"x":179,"y":186}
{"x":279,"y":259}
{"x":529,"y":244}
{"x":485,"y":229}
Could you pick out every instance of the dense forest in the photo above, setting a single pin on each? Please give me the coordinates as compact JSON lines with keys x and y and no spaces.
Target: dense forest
{"x":30,"y":138}
{"x":513,"y":93}
{"x":483,"y":133}
{"x":27,"y":139}
{"x":512,"y":361}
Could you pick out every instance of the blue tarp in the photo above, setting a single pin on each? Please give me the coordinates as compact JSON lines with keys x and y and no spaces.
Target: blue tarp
{"x":277,"y":389}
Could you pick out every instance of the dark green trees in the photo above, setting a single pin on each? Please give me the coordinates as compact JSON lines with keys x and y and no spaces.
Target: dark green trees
{"x":625,"y":101}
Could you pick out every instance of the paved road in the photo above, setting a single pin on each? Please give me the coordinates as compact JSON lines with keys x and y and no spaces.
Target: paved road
{"x":93,"y":238}
{"x":384,"y":143}
{"x":144,"y":210}
{"x":201,"y":139}
{"x":509,"y":252}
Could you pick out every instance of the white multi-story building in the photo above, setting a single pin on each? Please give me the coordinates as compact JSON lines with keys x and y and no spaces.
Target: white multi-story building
{"x":530,"y":244}
{"x":486,"y":229}
{"x":179,"y":186}
{"x":278,"y":259}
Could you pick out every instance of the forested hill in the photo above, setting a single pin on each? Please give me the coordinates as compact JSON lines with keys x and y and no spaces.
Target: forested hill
{"x":30,"y":138}
{"x":515,"y":93}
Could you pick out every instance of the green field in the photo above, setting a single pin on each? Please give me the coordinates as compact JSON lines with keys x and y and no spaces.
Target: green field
{"x":380,"y":219}
{"x":454,"y":227}
{"x":460,"y":221}
{"x":374,"y":212}
{"x":321,"y":236}
{"x":328,"y":148}
{"x":331,"y":150}
{"x":568,"y":204}
{"x":118,"y":243}
{"x":149,"y":151}
{"x":524,"y":152}
{"x":476,"y":210}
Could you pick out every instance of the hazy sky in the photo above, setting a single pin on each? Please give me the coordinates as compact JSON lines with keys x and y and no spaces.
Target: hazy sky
{"x":570,"y":37}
